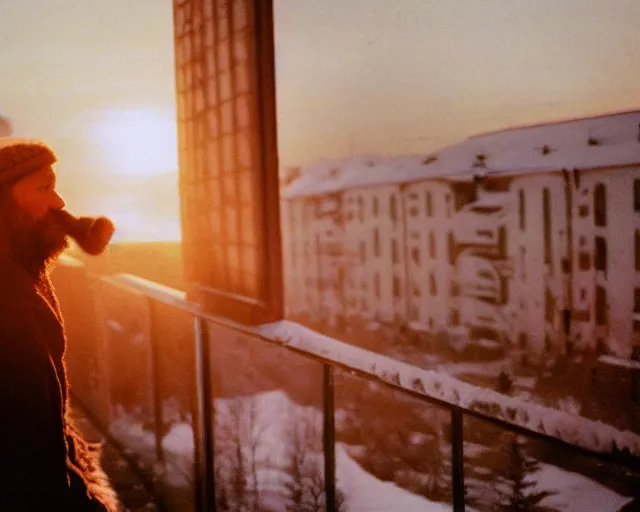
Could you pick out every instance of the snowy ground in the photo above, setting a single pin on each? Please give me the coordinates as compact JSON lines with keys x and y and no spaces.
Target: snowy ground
{"x":268,"y":418}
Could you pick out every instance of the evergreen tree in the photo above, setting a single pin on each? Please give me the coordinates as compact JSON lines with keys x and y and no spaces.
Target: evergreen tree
{"x":516,"y":489}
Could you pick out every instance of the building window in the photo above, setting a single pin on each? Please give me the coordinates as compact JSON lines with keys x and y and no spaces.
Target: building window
{"x":601,"y":254}
{"x":636,"y":195}
{"x":396,"y":286}
{"x":452,"y":247}
{"x":601,"y":306}
{"x":583,"y":294}
{"x":394,"y":251}
{"x":360,"y":209}
{"x":454,"y":319}
{"x":415,"y":255}
{"x":546,"y":218}
{"x":600,"y":205}
{"x":433,"y":286}
{"x":523,"y":263}
{"x":363,"y":252}
{"x":375,"y":206}
{"x":549,"y":306}
{"x":448,"y":203}
{"x":583,"y":210}
{"x":428,"y":204}
{"x":432,"y":245}
{"x":637,"y":250}
{"x":584,"y":261}
{"x":376,"y":284}
{"x":413,"y":211}
{"x":376,"y":242}
{"x":521,"y":208}
{"x":393,"y":208}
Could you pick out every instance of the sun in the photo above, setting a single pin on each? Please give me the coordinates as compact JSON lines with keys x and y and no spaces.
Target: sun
{"x":136,"y":142}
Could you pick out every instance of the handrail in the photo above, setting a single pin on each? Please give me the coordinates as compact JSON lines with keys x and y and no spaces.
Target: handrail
{"x":437,"y":387}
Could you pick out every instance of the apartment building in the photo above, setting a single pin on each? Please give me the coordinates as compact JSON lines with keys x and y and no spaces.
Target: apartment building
{"x":526,"y":236}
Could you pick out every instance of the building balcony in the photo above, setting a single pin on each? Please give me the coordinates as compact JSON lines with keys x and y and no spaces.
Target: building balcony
{"x":480,"y":278}
{"x":195,"y":399}
{"x":495,"y":205}
{"x":484,"y":239}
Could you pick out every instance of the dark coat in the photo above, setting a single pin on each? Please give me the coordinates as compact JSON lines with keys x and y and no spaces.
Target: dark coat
{"x":44,"y":462}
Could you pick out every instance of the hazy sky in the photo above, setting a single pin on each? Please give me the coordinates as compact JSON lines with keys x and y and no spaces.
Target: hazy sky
{"x":95,"y":78}
{"x":382,"y":75}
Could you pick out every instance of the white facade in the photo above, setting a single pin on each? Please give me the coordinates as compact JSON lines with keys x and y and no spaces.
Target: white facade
{"x":374,"y":253}
{"x":428,"y":211}
{"x":533,"y":241}
{"x":537,"y":245}
{"x":606,"y":274}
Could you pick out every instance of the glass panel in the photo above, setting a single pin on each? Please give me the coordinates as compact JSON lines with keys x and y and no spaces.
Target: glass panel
{"x":130,"y":374}
{"x":268,"y":425}
{"x":393,"y":451}
{"x":505,"y":471}
{"x":175,"y":384}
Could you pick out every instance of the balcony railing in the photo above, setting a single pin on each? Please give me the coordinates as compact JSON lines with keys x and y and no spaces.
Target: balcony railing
{"x":125,"y":387}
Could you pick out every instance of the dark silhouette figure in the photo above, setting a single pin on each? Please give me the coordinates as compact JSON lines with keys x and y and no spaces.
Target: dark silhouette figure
{"x":45,"y":464}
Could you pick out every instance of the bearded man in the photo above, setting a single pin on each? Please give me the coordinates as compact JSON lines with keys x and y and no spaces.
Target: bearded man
{"x":44,"y":462}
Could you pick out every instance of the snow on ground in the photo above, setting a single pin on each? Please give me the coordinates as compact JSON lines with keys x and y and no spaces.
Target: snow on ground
{"x":575,"y":493}
{"x":365,"y":493}
{"x":273,"y":415}
{"x":178,"y":446}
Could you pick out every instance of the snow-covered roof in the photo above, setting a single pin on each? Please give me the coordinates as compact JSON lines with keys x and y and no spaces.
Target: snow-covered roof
{"x":587,"y":143}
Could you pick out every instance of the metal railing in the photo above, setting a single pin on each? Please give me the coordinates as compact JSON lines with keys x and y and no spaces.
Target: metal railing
{"x":461,"y":400}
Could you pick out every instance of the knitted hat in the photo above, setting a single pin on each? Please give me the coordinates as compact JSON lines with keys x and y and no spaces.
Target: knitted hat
{"x":21,"y":157}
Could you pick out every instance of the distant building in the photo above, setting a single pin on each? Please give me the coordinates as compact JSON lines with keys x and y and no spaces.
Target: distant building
{"x":526,"y":236}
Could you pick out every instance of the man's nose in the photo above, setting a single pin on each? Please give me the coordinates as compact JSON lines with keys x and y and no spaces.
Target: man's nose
{"x":57,"y":202}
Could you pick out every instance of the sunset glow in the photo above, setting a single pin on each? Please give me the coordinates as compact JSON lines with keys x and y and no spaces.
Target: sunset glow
{"x":136,"y":142}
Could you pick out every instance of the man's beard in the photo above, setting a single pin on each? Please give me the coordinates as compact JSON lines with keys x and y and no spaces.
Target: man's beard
{"x":34,"y":244}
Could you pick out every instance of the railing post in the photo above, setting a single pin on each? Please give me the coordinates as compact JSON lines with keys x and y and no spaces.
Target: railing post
{"x":329,"y":437}
{"x":155,"y":379}
{"x":204,"y":420}
{"x":457,"y":460}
